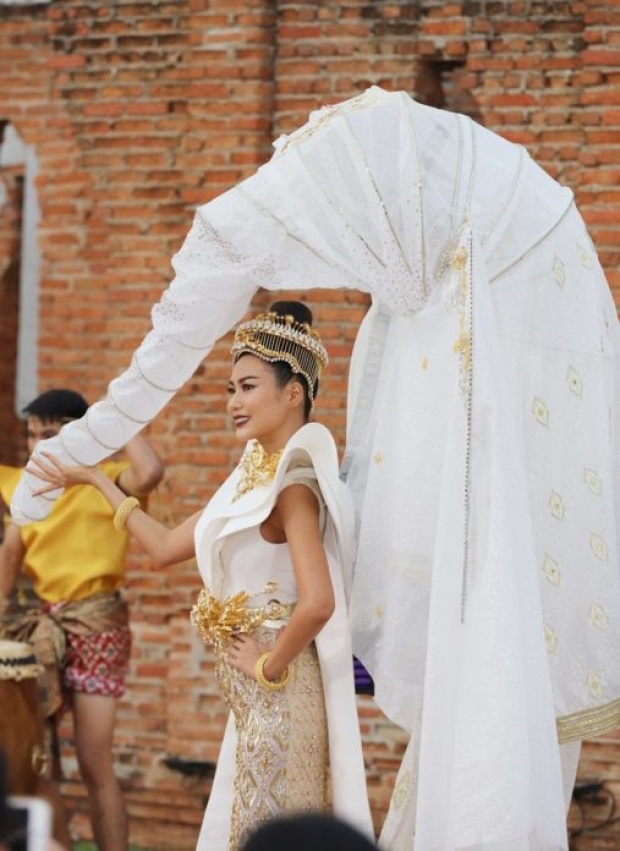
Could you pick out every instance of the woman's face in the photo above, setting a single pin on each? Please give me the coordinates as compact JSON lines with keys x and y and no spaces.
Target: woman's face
{"x":259,"y":408}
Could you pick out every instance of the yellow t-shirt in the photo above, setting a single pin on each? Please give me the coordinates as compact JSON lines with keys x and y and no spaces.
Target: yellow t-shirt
{"x":9,"y":477}
{"x":75,"y":552}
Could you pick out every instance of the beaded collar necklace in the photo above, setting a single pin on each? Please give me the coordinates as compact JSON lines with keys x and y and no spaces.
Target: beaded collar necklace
{"x":258,"y":468}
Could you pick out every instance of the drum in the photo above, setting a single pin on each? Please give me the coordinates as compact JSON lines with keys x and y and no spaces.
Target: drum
{"x":21,"y":722}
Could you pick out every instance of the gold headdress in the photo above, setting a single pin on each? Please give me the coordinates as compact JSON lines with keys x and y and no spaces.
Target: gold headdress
{"x":273,"y":337}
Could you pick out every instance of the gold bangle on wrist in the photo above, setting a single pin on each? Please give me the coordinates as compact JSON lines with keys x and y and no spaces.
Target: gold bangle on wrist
{"x":123,"y":511}
{"x":261,"y":679}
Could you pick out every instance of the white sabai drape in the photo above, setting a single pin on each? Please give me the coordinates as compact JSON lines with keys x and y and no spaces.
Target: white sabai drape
{"x":481,"y":441}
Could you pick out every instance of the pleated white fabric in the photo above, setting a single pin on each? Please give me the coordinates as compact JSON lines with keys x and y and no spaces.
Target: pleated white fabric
{"x":482,"y":441}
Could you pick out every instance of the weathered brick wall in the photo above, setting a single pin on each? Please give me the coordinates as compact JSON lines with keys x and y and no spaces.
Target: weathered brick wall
{"x":139,"y":111}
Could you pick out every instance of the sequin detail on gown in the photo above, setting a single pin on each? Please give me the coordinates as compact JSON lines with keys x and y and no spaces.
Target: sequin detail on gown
{"x":282,"y":747}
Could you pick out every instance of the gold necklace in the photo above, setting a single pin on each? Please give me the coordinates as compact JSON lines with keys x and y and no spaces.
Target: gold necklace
{"x":257,"y":469}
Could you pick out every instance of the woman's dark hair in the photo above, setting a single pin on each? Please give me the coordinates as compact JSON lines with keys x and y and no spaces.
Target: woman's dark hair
{"x":282,"y":371}
{"x":308,"y":833}
{"x":57,"y":405}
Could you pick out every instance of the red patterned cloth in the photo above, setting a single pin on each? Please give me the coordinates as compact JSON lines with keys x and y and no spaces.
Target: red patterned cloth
{"x":83,"y":646}
{"x":97,"y":663}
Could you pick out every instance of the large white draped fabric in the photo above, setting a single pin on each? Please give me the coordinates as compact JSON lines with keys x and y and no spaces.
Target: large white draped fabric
{"x":481,"y":450}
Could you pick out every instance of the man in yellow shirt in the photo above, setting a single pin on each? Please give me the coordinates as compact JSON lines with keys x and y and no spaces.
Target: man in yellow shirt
{"x":76,"y":559}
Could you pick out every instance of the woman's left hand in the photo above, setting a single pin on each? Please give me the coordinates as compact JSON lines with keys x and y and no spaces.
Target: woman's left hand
{"x":57,"y":475}
{"x":244,"y":653}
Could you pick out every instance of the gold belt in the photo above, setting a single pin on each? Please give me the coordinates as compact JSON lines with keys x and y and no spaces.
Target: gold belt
{"x":216,"y":621}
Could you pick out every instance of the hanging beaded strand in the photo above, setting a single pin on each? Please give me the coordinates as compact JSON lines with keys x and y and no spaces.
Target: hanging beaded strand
{"x":468,"y":429}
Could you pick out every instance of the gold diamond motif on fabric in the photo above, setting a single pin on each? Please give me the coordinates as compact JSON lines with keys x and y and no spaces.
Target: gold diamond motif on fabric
{"x":599,"y":547}
{"x":540,"y":412}
{"x":551,"y":639}
{"x":556,"y":506}
{"x":595,"y":686}
{"x":593,"y":481}
{"x":401,"y":791}
{"x":552,"y":571}
{"x":574,"y":381}
{"x":559,"y":272}
{"x":584,"y":257}
{"x":598,"y":617}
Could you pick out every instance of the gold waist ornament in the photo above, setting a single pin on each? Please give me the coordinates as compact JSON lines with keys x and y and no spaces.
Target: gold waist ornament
{"x":216,"y":621}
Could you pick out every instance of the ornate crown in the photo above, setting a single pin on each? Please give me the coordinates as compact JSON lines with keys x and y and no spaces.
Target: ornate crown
{"x":272,"y":337}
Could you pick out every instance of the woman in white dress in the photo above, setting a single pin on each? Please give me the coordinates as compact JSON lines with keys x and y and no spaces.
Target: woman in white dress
{"x":274,"y":549}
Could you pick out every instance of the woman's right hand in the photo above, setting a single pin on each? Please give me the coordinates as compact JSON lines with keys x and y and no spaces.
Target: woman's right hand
{"x":58,"y":475}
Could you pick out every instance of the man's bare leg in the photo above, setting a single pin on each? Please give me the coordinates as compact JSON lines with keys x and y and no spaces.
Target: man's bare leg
{"x":94,"y":717}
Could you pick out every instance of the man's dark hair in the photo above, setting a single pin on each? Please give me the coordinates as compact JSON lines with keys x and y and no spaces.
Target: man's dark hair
{"x":57,"y":405}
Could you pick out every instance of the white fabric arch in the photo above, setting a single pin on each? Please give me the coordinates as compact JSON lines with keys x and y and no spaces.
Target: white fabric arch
{"x":482,"y":440}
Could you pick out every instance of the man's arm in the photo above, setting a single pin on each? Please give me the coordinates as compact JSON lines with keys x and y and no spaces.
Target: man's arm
{"x":146,"y":470}
{"x":12,"y":554}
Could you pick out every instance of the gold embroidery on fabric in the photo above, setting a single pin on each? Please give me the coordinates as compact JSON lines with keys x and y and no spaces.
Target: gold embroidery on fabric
{"x":325,"y":116}
{"x":584,"y":257}
{"x":552,"y":571}
{"x":462,"y":347}
{"x":559,"y":272}
{"x":401,"y":790}
{"x":424,"y":363}
{"x":258,"y":468}
{"x":595,"y":686}
{"x":463,"y":343}
{"x":574,"y":381}
{"x":307,"y":770}
{"x":556,"y":505}
{"x":454,"y":263}
{"x":599,"y":547}
{"x":593,"y":481}
{"x":540,"y":411}
{"x":551,"y":639}
{"x":589,"y":722}
{"x":598,"y":617}
{"x":378,"y":457}
{"x":278,"y":766}
{"x":216,"y":621}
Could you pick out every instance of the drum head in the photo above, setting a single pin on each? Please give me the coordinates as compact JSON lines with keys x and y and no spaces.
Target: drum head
{"x":15,"y":650}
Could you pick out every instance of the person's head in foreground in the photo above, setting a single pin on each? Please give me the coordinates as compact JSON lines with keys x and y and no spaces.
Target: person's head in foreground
{"x":47,"y":414}
{"x":308,"y":833}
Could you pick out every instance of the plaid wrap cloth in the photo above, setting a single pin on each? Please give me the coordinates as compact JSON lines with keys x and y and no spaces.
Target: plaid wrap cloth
{"x":45,"y":626}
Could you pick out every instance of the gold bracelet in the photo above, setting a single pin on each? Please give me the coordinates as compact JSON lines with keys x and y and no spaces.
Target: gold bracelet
{"x":123,"y":511}
{"x":261,"y":679}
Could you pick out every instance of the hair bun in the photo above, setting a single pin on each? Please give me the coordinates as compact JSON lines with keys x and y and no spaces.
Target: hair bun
{"x":297,"y":309}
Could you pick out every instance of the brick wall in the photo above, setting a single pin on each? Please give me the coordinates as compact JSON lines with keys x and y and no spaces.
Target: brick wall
{"x":139,"y":110}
